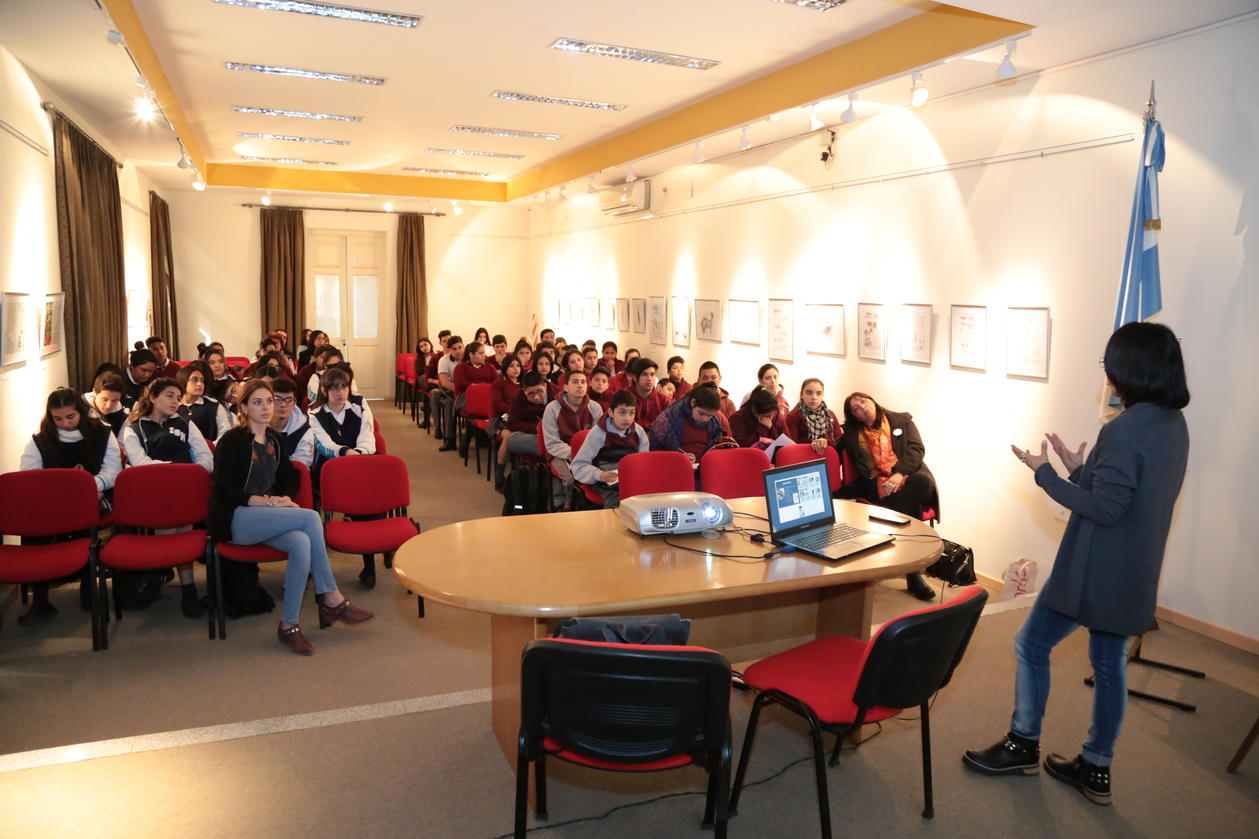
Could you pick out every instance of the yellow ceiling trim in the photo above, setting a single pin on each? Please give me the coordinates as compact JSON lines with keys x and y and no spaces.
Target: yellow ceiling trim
{"x":126,"y":21}
{"x":366,"y":183}
{"x":935,"y":34}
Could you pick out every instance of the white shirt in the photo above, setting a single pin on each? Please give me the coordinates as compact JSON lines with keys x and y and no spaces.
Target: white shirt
{"x":110,"y":466}
{"x":136,"y":456}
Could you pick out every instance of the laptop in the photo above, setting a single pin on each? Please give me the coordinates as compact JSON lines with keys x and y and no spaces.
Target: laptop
{"x":802,"y":517}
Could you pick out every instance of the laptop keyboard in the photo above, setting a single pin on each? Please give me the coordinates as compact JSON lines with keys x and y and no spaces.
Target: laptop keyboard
{"x":825,"y":538}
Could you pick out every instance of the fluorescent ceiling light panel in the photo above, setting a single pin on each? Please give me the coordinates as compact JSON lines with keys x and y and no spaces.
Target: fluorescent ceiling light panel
{"x":503,"y":132}
{"x":476,"y":153}
{"x":556,"y":100}
{"x":279,"y":70}
{"x":283,"y":112}
{"x":249,"y":135}
{"x":633,"y":54}
{"x":329,"y":10}
{"x":428,"y":171}
{"x":254,"y":157}
{"x":820,"y":5}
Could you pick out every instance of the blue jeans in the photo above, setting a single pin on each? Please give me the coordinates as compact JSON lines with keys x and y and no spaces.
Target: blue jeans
{"x":1041,"y":632}
{"x":299,"y":533}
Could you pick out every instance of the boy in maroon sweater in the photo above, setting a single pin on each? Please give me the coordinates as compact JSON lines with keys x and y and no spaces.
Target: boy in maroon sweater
{"x":648,"y":401}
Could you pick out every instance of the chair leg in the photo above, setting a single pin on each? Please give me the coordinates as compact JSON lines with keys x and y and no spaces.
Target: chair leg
{"x":710,"y":799}
{"x":748,"y":737}
{"x":117,"y":602}
{"x":539,"y":787}
{"x":419,"y":602}
{"x":522,"y":787}
{"x":839,"y":743}
{"x":101,"y":593}
{"x":90,"y":582}
{"x":24,"y":591}
{"x":819,"y":770}
{"x":220,"y":607}
{"x":723,"y":786}
{"x":387,"y":559}
{"x":928,"y":811}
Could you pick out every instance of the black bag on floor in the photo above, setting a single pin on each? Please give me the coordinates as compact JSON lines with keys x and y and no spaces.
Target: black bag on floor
{"x":527,"y":489}
{"x":956,"y":565}
{"x":242,"y":594}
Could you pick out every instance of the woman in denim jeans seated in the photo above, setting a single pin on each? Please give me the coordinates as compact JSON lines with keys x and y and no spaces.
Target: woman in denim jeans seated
{"x":251,"y":502}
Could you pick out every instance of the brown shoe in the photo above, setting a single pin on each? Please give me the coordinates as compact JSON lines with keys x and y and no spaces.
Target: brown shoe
{"x":343,"y":611}
{"x":295,"y":640}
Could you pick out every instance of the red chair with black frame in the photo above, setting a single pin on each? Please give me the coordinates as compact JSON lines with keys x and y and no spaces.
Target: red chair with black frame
{"x":734,"y":473}
{"x":373,"y":493}
{"x":55,"y":512}
{"x":839,"y":684}
{"x":378,"y":438}
{"x":477,"y":408}
{"x":624,"y":708}
{"x":583,"y":494}
{"x":642,"y":473}
{"x":803,"y":452}
{"x":236,"y":365}
{"x":159,"y":496}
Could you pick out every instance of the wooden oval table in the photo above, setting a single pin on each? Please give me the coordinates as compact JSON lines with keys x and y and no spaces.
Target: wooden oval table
{"x":531,"y":572}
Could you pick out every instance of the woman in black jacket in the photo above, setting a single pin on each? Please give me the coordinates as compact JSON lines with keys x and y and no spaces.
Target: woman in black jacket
{"x":251,"y":502}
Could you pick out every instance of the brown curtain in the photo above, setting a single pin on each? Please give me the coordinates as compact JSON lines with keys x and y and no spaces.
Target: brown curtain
{"x":89,"y":239}
{"x":412,"y":282}
{"x":283,"y":270}
{"x":162,"y":272}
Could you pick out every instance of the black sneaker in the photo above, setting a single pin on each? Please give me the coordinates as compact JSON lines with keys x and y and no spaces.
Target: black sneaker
{"x":1088,"y":778}
{"x":37,"y":613}
{"x":1014,"y":755}
{"x":446,"y":447}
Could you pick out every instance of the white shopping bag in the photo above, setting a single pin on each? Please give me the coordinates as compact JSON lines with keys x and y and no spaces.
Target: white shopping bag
{"x":1019,"y":578}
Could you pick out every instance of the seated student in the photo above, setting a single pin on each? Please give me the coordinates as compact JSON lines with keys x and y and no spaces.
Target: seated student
{"x":613,"y":436}
{"x":620,"y":381}
{"x":482,"y":336}
{"x":502,"y":395}
{"x":666,"y":387}
{"x":442,"y":400}
{"x":609,"y":359}
{"x":677,"y":375}
{"x":570,"y":412}
{"x":547,"y":335}
{"x":283,"y":335}
{"x":649,"y":403}
{"x":499,"y":343}
{"x":251,"y":502}
{"x":588,"y":344}
{"x":590,"y":360}
{"x":318,"y":339}
{"x":292,"y":424}
{"x":155,"y":433}
{"x":758,"y":423}
{"x":228,"y":393}
{"x":544,"y":367}
{"x":166,"y":366}
{"x":545,"y":348}
{"x":691,"y":425}
{"x":70,"y":438}
{"x":710,"y":373}
{"x":331,"y":356}
{"x":768,"y":378}
{"x":206,"y":412}
{"x":524,"y":416}
{"x":811,"y":421}
{"x":341,"y":421}
{"x":570,"y":360}
{"x":600,"y":378}
{"x":423,"y":352}
{"x":216,"y":361}
{"x":139,"y":372}
{"x":268,"y":345}
{"x":473,"y":370}
{"x":105,"y":401}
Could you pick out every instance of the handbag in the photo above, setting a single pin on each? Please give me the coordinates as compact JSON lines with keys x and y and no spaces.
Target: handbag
{"x":956,"y":565}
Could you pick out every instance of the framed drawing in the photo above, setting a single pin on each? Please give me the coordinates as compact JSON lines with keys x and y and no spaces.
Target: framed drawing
{"x":658,"y":320}
{"x":681,"y":321}
{"x":916,"y":333}
{"x":824,"y":329}
{"x":590,"y":311}
{"x":13,"y":348}
{"x":51,"y":325}
{"x":1027,"y":342}
{"x":708,"y":320}
{"x":968,"y":337}
{"x":607,"y":313}
{"x":622,"y":314}
{"x":745,"y":321}
{"x":638,"y":315}
{"x":781,"y":329}
{"x":871,"y":332}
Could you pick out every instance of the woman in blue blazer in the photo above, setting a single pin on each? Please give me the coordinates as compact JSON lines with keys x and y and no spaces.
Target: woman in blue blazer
{"x":1105,"y":576}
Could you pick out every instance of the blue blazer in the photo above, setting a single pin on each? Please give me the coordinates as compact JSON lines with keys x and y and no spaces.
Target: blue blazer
{"x":1106,"y":572}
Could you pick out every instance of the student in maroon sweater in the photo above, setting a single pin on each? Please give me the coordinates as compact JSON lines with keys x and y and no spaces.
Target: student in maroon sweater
{"x":473,"y":370}
{"x":758,"y":423}
{"x":526,"y":413}
{"x":768,"y":378}
{"x":612,"y":437}
{"x":649,"y":403}
{"x":569,"y":361}
{"x":590,"y":360}
{"x":600,"y":380}
{"x":609,"y":360}
{"x":710,"y":373}
{"x":677,"y":375}
{"x":621,"y":380}
{"x":691,"y":425}
{"x":811,"y":421}
{"x":506,"y":386}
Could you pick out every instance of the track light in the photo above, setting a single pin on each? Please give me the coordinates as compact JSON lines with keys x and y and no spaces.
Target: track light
{"x":630,"y":177}
{"x":1005,"y":70}
{"x":146,"y":108}
{"x":745,"y":140}
{"x":266,"y":200}
{"x":388,"y":206}
{"x":698,"y":157}
{"x":115,"y":37}
{"x":141,"y":81}
{"x":918,"y":92}
{"x":814,"y":122}
{"x":185,"y":162}
{"x":563,"y":197}
{"x":590,"y":185}
{"x":456,"y":209}
{"x":849,"y":116}
{"x":198,"y":184}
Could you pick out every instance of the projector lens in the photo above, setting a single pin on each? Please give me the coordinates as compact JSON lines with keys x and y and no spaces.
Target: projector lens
{"x":711,"y":513}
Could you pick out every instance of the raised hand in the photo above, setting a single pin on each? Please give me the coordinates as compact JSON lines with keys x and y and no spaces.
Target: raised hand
{"x":1032,"y":461}
{"x":1070,"y":459}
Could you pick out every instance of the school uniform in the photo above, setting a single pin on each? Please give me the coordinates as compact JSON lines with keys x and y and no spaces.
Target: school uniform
{"x":561,"y":420}
{"x":312,"y":387}
{"x":522,"y":423}
{"x":747,"y":430}
{"x":618,"y":382}
{"x":649,"y":407}
{"x":167,"y":372}
{"x":115,"y":421}
{"x":797,"y":425}
{"x":103,"y":464}
{"x":783,"y":407}
{"x":175,"y":440}
{"x":602,"y":451}
{"x":467,"y":374}
{"x":680,"y":387}
{"x":209,"y":415}
{"x":131,"y":389}
{"x":338,"y":433}
{"x":297,"y":438}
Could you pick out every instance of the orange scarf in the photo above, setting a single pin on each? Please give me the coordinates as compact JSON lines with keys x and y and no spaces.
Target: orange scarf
{"x":878,"y":442}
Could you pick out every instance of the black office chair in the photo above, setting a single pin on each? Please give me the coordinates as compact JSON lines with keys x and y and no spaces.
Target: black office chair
{"x":839,"y":684}
{"x":625,"y":708}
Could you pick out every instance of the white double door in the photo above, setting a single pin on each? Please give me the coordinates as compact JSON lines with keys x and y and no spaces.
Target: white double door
{"x":345,"y":281}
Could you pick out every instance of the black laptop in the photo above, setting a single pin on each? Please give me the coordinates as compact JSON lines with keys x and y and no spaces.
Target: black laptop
{"x":802,"y":517}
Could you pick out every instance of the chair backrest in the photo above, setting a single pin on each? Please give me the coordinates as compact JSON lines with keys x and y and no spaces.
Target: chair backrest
{"x":625,"y":703}
{"x":162,"y":495}
{"x":47,"y":502}
{"x":847,"y":468}
{"x":734,"y":473}
{"x":914,"y":655}
{"x":399,"y":363}
{"x":364,"y":486}
{"x":642,"y":473}
{"x":802,"y":452}
{"x":476,"y":400}
{"x":578,"y":440}
{"x":305,"y":495}
{"x":406,"y":365}
{"x":237,"y":361}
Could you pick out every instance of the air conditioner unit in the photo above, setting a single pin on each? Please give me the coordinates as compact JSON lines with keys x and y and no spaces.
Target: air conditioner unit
{"x":628,"y":198}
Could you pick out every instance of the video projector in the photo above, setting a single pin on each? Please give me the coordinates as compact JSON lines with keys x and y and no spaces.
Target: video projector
{"x":675,"y":512}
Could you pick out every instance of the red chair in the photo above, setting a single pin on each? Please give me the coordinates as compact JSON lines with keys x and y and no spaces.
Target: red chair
{"x":734,"y":473}
{"x":580,"y":489}
{"x":477,"y":409}
{"x":381,"y":448}
{"x":642,"y":473}
{"x":839,"y":684}
{"x":624,"y":708}
{"x":803,"y":452}
{"x":400,"y":377}
{"x":158,"y":496}
{"x":373,"y":493}
{"x":256,"y":554}
{"x":236,"y":364}
{"x":58,"y":508}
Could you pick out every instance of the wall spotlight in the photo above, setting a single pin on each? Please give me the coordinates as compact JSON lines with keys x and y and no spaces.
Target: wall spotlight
{"x":457,"y":210}
{"x":266,"y":200}
{"x":745,"y":140}
{"x":590,"y":185}
{"x":146,"y":108}
{"x":388,"y":206}
{"x":630,"y":177}
{"x":115,"y":37}
{"x":814,"y":122}
{"x":918,"y":92}
{"x":198,"y":184}
{"x":1005,"y":70}
{"x":698,"y":156}
{"x":849,"y":116}
{"x":185,"y":162}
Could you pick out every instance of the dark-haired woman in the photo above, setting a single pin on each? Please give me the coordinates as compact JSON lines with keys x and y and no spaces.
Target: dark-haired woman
{"x":342,"y":422}
{"x":206,"y":412}
{"x":69,"y":438}
{"x":690,"y":425}
{"x":811,"y":421}
{"x":140,"y":369}
{"x":482,"y":337}
{"x":767,"y":376}
{"x":570,"y":361}
{"x":545,"y":367}
{"x":759,"y":422}
{"x":887,"y":455}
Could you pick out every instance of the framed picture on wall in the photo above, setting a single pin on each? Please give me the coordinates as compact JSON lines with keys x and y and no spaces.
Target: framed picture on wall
{"x":1027,"y":342}
{"x":968,"y":337}
{"x":13,"y":340}
{"x":708,"y":320}
{"x":871,"y":332}
{"x":745,"y":321}
{"x":824,"y":329}
{"x":916,"y":333}
{"x":638,"y":314}
{"x":659,"y":320}
{"x":622,"y":314}
{"x":781,"y":329}
{"x":607,"y":313}
{"x":681,"y":321}
{"x":51,"y":325}
{"x":590,"y":312}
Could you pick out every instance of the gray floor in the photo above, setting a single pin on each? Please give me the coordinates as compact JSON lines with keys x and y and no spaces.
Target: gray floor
{"x":389,"y":731}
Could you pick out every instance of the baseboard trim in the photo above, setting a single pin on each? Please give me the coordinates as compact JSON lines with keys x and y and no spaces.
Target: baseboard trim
{"x":1208,"y":630}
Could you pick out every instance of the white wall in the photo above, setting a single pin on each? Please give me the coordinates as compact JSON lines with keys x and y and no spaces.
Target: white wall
{"x":1033,"y":232}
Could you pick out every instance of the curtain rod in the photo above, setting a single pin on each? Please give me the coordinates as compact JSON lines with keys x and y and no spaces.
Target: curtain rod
{"x":434,"y":213}
{"x":48,"y":106}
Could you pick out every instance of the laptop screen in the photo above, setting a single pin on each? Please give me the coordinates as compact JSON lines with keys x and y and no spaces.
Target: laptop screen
{"x":798,"y":496}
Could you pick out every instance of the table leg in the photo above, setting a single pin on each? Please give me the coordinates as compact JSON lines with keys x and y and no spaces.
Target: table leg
{"x":845,"y":610}
{"x":508,"y":636}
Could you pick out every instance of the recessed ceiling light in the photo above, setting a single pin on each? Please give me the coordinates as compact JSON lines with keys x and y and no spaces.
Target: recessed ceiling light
{"x":330,"y":10}
{"x":282,"y":112}
{"x":279,"y":70}
{"x":556,"y":100}
{"x":476,"y":153}
{"x":503,"y":132}
{"x":633,"y":54}
{"x":250,"y":135}
{"x":254,"y":157}
{"x":820,"y":5}
{"x":428,"y":171}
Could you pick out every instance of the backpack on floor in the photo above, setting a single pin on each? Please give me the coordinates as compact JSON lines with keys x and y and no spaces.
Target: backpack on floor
{"x":956,"y":565}
{"x":527,"y":489}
